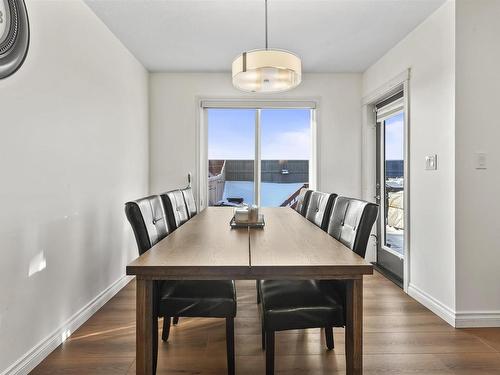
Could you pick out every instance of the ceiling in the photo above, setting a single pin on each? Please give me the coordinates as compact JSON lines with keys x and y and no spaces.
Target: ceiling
{"x":206,"y":35}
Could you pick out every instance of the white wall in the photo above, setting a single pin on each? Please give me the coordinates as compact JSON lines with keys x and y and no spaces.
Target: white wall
{"x":429,"y":52}
{"x":173,"y":125}
{"x":477,"y":130}
{"x":73,"y":149}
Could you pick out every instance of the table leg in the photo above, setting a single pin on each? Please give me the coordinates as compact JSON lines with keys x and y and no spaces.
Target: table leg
{"x":144,"y":327}
{"x":354,"y":327}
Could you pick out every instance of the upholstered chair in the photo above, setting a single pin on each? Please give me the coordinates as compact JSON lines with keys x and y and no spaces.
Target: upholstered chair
{"x":319,"y":208}
{"x":303,"y":201}
{"x":149,"y":224}
{"x":180,"y":298}
{"x":188,"y":195}
{"x":351,"y":223}
{"x":300,"y":304}
{"x":175,"y":207}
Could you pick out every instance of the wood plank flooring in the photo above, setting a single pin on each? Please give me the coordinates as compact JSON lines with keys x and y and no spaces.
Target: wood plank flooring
{"x":400,"y":337}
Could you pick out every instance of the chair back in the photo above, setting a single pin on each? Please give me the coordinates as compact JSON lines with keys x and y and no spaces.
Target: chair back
{"x":319,"y":207}
{"x":188,"y":195}
{"x":303,"y":201}
{"x":175,"y":208}
{"x":148,"y":220}
{"x":351,"y":222}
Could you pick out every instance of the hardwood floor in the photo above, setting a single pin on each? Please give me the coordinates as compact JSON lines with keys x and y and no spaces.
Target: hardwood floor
{"x":400,"y":337}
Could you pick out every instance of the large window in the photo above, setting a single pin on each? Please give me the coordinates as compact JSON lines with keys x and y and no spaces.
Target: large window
{"x":258,"y":156}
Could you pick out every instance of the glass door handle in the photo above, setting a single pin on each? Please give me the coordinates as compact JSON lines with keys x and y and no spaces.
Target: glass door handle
{"x":377,"y":197}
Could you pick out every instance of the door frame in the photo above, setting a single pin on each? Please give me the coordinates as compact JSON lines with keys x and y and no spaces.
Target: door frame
{"x":201,"y":152}
{"x":369,"y":157}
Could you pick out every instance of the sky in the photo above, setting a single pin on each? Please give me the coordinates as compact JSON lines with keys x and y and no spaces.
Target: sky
{"x":285,"y":134}
{"x":394,"y":137}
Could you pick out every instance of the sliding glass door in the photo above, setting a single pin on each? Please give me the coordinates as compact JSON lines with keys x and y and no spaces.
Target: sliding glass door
{"x":258,"y":156}
{"x":285,"y":136}
{"x":231,"y":156}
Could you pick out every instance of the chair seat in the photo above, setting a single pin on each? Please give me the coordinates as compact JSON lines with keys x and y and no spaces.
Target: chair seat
{"x":298,"y":304}
{"x":198,"y":298}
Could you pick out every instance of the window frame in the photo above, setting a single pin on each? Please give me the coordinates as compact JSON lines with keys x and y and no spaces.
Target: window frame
{"x":203,"y":104}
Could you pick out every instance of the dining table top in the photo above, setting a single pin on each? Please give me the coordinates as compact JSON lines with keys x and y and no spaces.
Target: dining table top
{"x":288,"y":246}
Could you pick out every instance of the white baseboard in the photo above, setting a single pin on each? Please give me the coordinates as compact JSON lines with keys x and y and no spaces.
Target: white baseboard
{"x":36,"y":355}
{"x":477,"y":319}
{"x":463,"y":319}
{"x":438,"y":308}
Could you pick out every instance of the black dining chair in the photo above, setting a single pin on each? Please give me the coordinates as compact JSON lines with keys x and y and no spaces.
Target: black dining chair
{"x":300,"y":304}
{"x":149,"y":224}
{"x":303,"y":201}
{"x":180,"y":208}
{"x":319,"y":207}
{"x":208,"y":299}
{"x":351,"y":223}
{"x":180,"y":298}
{"x":315,"y":207}
{"x":175,"y":207}
{"x":188,"y":195}
{"x":177,"y":214}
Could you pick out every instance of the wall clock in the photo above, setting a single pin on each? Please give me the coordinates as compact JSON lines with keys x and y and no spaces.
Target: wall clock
{"x":14,"y":36}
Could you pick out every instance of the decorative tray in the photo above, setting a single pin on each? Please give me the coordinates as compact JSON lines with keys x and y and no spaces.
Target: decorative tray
{"x":258,"y":224}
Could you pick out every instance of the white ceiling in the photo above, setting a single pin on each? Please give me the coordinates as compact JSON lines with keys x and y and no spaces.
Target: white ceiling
{"x":206,"y":35}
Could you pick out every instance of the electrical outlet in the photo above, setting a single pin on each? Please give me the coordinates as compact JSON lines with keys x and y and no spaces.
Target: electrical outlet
{"x":431,"y":162}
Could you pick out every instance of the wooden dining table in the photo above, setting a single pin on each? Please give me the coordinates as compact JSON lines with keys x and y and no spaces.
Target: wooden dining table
{"x":288,"y":247}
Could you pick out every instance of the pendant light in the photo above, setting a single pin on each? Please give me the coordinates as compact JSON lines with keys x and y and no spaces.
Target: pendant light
{"x":266,"y":70}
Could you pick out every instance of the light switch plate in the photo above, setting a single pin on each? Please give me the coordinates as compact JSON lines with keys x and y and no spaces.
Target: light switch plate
{"x":480,"y":160}
{"x":431,"y":162}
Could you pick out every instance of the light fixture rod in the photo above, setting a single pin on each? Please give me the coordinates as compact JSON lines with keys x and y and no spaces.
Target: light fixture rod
{"x":266,"y":24}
